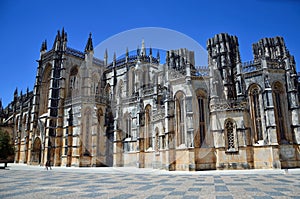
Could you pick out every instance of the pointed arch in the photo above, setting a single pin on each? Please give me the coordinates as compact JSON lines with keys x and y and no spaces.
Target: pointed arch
{"x":120,"y":89}
{"x":95,"y":84}
{"x":255,"y":99}
{"x":131,"y":81}
{"x":107,"y":91}
{"x":279,"y":107}
{"x":127,"y":125}
{"x":231,"y":141}
{"x":180,"y":118}
{"x":36,"y":151}
{"x":202,"y":103}
{"x":148,"y":127}
{"x":73,"y":82}
{"x":45,"y":87}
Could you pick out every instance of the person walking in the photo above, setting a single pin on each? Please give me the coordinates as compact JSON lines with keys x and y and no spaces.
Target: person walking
{"x":48,"y":164}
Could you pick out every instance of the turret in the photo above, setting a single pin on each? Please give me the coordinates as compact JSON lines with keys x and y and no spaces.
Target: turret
{"x":60,"y":42}
{"x":223,"y":58}
{"x":270,"y":48}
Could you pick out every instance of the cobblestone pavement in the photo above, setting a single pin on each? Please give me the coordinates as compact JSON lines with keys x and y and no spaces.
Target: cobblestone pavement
{"x":21,"y":181}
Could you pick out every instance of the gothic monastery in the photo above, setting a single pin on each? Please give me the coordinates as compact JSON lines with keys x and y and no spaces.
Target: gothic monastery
{"x":146,"y":112}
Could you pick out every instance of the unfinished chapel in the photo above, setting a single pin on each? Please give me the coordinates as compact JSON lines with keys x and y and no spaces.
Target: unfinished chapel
{"x":143,"y":111}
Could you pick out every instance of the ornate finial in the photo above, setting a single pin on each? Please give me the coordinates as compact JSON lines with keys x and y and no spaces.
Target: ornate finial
{"x":127,"y":52}
{"x":44,"y":46}
{"x":143,"y":48}
{"x":63,"y":34}
{"x":89,"y":45}
{"x":57,"y":39}
{"x":158,"y":56}
{"x":105,"y":57}
{"x":16,"y":92}
{"x":115,"y":57}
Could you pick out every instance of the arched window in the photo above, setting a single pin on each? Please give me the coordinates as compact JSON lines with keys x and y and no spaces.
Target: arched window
{"x":180,"y":118}
{"x":108,"y":92}
{"x":36,"y":151}
{"x":279,"y":108}
{"x":231,"y":143}
{"x":95,"y":84}
{"x":120,"y":89}
{"x":100,"y":115}
{"x":148,"y":130}
{"x":131,"y":83}
{"x":128,"y":124}
{"x":44,"y":95}
{"x":202,"y":110}
{"x":73,"y":82}
{"x":255,"y":104}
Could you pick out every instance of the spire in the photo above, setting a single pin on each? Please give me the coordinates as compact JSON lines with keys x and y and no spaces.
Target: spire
{"x":143,"y":52}
{"x":57,"y":40}
{"x":158,"y":56}
{"x":105,"y":57}
{"x":44,"y":46}
{"x":127,"y":53}
{"x":16,"y":94}
{"x":89,"y":45}
{"x":63,"y":35}
{"x":115,"y":59}
{"x":150,"y":53}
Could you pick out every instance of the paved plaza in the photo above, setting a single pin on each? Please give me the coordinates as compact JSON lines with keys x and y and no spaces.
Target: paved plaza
{"x":21,"y":181}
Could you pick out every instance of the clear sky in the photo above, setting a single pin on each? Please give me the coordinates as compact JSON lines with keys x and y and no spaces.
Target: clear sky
{"x":26,"y":24}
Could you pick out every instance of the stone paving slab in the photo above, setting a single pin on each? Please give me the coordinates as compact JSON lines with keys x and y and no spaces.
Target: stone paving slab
{"x":21,"y":181}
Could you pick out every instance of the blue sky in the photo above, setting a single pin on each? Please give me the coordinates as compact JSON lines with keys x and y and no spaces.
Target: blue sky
{"x":25,"y":24}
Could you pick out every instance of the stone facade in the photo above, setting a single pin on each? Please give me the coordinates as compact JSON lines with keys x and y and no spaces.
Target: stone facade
{"x":137,"y":111}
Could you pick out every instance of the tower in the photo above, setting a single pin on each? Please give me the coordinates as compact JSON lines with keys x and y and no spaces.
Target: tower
{"x":223,"y":61}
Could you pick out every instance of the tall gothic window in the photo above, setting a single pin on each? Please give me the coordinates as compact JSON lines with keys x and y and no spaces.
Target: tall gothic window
{"x":180,"y":119}
{"x":128,"y":126}
{"x":230,"y":136}
{"x":256,"y":112}
{"x":95,"y":86}
{"x":279,"y":116}
{"x":131,"y":82}
{"x":73,"y":82}
{"x":44,"y":95}
{"x":202,"y":112}
{"x":148,"y":129}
